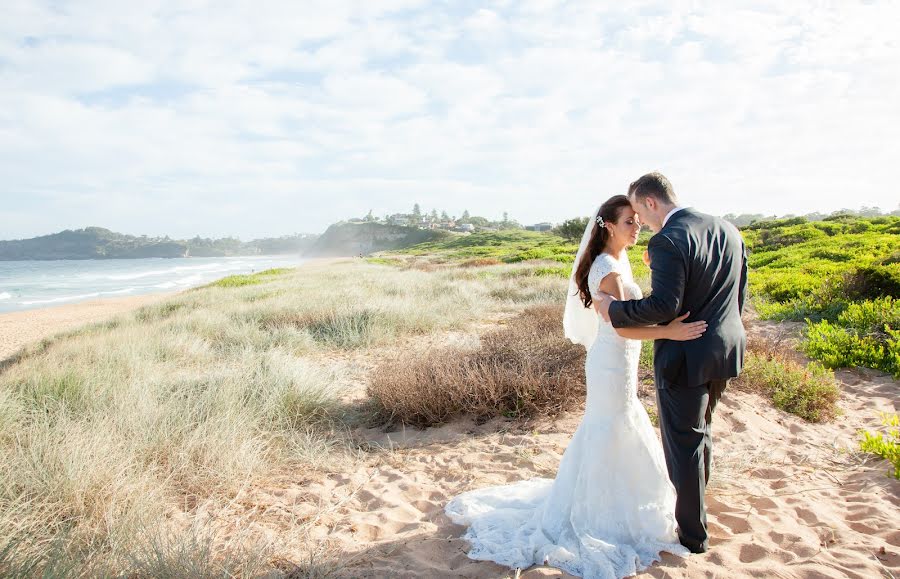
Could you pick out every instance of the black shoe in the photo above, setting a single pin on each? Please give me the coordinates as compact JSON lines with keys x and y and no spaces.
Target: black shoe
{"x":693,"y":546}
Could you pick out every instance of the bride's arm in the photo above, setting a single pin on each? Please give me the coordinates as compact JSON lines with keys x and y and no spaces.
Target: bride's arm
{"x":675,"y":330}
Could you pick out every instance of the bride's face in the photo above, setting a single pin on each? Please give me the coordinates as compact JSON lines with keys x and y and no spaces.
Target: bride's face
{"x":628,"y":227}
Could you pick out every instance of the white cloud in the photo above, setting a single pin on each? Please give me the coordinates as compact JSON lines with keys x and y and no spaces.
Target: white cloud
{"x":262,"y":118}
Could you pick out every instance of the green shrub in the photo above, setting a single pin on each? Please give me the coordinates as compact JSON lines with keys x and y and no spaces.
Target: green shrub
{"x":242,"y":280}
{"x":510,"y":246}
{"x":863,"y":335}
{"x":235,"y":281}
{"x":873,"y":281}
{"x":885,"y":444}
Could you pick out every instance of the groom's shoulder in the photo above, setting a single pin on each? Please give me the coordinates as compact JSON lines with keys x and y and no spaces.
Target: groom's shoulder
{"x":693,"y":219}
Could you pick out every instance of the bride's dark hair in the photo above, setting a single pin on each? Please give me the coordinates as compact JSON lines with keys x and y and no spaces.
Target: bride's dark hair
{"x":610,"y":212}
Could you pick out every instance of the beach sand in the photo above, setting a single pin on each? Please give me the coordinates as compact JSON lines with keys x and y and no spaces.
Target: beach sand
{"x":787,"y":498}
{"x":18,"y":329}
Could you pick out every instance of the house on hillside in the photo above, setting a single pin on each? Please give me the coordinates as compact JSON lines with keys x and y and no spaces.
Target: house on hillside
{"x":539,"y":227}
{"x":399,"y":219}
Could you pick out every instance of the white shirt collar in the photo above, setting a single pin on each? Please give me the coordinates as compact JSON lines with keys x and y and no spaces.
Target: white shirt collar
{"x":671,"y":213}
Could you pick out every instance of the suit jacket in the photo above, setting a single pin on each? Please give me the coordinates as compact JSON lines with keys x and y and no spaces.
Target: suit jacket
{"x":698,"y":264}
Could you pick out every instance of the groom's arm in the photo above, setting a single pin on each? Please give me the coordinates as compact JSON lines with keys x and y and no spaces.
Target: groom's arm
{"x":667,"y":283}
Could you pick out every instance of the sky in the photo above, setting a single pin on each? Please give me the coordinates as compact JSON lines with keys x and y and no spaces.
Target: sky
{"x":264,"y":118}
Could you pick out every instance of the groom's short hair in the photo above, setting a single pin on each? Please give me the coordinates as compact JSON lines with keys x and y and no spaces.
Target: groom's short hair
{"x":653,"y":185}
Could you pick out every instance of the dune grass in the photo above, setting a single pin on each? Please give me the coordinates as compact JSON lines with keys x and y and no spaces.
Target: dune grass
{"x":117,"y":435}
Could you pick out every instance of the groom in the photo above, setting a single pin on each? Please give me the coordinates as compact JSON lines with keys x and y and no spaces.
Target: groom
{"x":699,"y":265}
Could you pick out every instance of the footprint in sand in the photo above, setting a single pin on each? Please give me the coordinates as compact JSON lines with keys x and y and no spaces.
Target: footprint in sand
{"x":751,"y":553}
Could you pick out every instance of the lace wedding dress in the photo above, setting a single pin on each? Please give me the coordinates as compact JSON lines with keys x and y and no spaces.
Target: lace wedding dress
{"x":610,"y":510}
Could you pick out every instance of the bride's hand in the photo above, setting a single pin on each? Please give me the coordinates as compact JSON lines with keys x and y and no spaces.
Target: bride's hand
{"x":680,"y":331}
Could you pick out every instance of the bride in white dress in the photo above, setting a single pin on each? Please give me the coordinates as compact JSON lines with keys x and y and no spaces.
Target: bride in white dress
{"x":610,"y":511}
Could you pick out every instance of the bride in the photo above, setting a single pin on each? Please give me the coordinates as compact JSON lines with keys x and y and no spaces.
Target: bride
{"x":610,"y":510}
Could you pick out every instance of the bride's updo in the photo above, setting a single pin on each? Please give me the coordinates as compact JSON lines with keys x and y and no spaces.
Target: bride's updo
{"x":610,"y":212}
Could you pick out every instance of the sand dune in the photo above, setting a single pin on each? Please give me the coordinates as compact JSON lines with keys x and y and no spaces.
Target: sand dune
{"x":787,"y":499}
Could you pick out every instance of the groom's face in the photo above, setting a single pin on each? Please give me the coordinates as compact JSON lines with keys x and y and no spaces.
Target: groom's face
{"x":645,"y":212}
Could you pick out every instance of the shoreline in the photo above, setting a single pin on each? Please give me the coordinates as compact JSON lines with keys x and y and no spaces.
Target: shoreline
{"x":24,"y":327}
{"x":18,"y":329}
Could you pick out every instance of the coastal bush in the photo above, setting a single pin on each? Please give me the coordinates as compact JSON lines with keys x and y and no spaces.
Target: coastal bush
{"x":829,"y":273}
{"x":511,"y":246}
{"x":525,"y":368}
{"x":885,"y":444}
{"x":810,"y":392}
{"x":864,"y":334}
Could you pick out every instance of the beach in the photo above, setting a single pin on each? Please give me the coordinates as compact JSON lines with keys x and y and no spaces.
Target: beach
{"x":356,"y":495}
{"x":18,"y":329}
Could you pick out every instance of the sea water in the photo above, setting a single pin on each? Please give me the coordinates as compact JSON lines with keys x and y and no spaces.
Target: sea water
{"x":36,"y":284}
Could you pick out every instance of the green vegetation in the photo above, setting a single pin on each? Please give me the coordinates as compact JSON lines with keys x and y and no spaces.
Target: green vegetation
{"x":805,"y":267}
{"x":862,"y":335}
{"x":885,"y":444}
{"x":842,"y":275}
{"x":250,"y":279}
{"x":510,"y":246}
{"x":571,"y":229}
{"x":384,"y":261}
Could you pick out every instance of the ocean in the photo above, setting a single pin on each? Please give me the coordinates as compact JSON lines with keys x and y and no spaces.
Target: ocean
{"x":36,"y":284}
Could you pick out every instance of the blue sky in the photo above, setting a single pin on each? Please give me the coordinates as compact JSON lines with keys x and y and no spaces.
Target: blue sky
{"x":268,"y":118}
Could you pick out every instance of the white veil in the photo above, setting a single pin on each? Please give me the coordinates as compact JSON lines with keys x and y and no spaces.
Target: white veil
{"x":580,"y":323}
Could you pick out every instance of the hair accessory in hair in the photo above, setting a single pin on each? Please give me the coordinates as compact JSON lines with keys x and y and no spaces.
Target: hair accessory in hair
{"x":600,"y":221}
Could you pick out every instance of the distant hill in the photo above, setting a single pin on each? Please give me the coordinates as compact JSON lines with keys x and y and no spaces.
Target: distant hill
{"x":100,"y":243}
{"x":348,"y":238}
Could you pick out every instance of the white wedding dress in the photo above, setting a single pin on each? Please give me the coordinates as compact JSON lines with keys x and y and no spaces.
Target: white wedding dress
{"x":610,"y":510}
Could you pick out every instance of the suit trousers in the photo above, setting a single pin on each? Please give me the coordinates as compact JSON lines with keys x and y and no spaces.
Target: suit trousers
{"x":685,"y":416}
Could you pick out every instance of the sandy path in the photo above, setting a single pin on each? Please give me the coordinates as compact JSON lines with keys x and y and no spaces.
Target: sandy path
{"x":18,"y":329}
{"x":787,"y":499}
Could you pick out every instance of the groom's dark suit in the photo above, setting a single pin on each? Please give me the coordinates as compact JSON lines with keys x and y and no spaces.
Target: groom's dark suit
{"x":699,"y":264}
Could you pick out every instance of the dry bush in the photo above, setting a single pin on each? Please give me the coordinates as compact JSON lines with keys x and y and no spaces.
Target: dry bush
{"x":522,"y":369}
{"x":481,"y":262}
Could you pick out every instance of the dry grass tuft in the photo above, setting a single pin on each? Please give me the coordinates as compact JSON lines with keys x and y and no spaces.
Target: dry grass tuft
{"x":809,"y":391}
{"x":481,"y":262}
{"x":525,"y":368}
